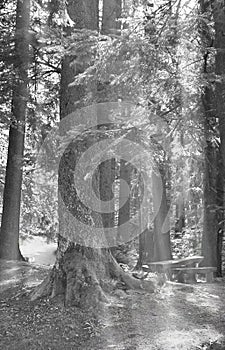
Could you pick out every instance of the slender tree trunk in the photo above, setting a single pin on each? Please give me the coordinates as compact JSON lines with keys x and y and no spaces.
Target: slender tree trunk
{"x":220,"y":213}
{"x":162,"y":245}
{"x":107,"y":176}
{"x":107,"y":170}
{"x":9,"y":236}
{"x":219,"y":20}
{"x":212,"y":102}
{"x":180,"y":213}
{"x":124,"y":196}
{"x":210,"y":226}
{"x":111,"y":14}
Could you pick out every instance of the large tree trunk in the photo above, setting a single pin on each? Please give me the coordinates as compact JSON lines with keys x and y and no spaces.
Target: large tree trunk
{"x":219,"y":18}
{"x":9,"y":236}
{"x":82,"y":275}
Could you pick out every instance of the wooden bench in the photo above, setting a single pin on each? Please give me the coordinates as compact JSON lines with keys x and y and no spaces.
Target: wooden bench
{"x":192,"y":271}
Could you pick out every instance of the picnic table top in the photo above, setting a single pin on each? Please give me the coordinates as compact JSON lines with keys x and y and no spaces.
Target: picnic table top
{"x":177,"y":262}
{"x":202,"y":268}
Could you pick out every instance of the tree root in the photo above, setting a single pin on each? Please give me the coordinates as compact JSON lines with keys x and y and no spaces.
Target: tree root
{"x":130,"y":281}
{"x":84,"y":277}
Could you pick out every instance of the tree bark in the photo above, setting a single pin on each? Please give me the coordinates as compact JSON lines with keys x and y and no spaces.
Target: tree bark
{"x":180,"y":214}
{"x":81,"y":275}
{"x":146,"y":248}
{"x":210,"y":225}
{"x":212,"y":101}
{"x":111,"y":14}
{"x":219,"y":44}
{"x":219,"y":19}
{"x":9,"y":236}
{"x":162,"y":245}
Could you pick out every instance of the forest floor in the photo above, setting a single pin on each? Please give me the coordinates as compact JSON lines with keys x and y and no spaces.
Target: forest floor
{"x":192,"y":317}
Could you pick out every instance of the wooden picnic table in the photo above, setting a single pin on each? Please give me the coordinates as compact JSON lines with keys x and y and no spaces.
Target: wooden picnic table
{"x":166,"y":265}
{"x":181,"y":267}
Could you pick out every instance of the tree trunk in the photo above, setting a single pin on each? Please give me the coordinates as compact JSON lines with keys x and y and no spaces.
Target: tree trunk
{"x":124,"y":196}
{"x":162,"y":245}
{"x":146,"y":248}
{"x":146,"y":237}
{"x":180,"y":214}
{"x":111,"y":13}
{"x":219,"y":20}
{"x":212,"y":102}
{"x":9,"y":236}
{"x":82,"y":275}
{"x":107,"y":170}
{"x":210,"y":226}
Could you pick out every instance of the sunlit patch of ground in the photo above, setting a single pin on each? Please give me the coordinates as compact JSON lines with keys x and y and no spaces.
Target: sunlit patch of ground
{"x":186,"y":340}
{"x":17,"y":273}
{"x":38,"y":251}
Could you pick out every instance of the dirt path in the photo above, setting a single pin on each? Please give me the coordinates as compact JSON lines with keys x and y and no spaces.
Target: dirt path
{"x":169,"y":319}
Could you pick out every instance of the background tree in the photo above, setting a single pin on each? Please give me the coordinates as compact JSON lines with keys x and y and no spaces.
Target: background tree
{"x":9,"y":236}
{"x":214,"y":179}
{"x":110,"y":25}
{"x":219,"y":44}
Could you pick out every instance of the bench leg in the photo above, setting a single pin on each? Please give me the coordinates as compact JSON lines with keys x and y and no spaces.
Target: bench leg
{"x":180,"y":277}
{"x":209,"y":277}
{"x":192,"y":277}
{"x":168,"y":275}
